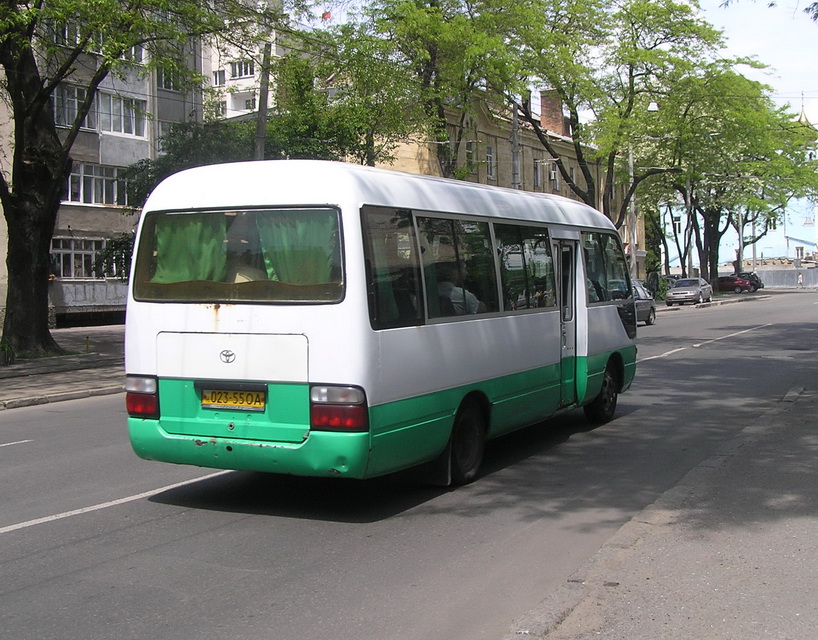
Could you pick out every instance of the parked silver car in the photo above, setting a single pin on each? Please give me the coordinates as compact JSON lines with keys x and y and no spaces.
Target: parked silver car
{"x":694,"y":290}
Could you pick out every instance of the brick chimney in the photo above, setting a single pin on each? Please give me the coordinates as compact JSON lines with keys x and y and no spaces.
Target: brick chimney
{"x":551,"y":116}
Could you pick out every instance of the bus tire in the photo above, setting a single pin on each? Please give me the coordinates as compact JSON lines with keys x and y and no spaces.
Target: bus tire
{"x":602,"y":408}
{"x":468,"y":443}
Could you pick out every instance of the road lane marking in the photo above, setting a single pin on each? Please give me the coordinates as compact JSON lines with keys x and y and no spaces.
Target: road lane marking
{"x":105,"y":505}
{"x":733,"y":335}
{"x":11,"y":444}
{"x":661,"y":355}
{"x":701,"y":344}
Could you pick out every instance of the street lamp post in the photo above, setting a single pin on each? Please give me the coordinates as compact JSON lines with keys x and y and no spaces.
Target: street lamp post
{"x":632,"y":219}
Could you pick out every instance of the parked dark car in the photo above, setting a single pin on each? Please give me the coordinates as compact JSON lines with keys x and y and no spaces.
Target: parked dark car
{"x":753,"y":279}
{"x":645,"y":304}
{"x":734,"y":283}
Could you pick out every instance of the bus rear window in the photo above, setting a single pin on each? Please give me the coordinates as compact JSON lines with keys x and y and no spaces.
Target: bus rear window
{"x":269,"y":255}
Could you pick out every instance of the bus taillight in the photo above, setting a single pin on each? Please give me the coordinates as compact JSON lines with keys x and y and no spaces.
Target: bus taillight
{"x":141,"y":397}
{"x":338,"y":409}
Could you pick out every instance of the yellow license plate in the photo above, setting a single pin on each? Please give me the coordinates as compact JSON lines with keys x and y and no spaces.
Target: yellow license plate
{"x":229,"y":399}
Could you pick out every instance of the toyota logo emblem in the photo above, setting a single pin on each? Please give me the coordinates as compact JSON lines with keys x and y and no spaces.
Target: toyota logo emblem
{"x":227,"y":356}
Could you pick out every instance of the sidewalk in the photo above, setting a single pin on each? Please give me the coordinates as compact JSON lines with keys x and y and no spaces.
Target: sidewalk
{"x":95,"y":366}
{"x":727,"y":553}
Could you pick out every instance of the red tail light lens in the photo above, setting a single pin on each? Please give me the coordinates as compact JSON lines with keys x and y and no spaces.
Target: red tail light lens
{"x":141,"y":405}
{"x":336,"y":408}
{"x":330,"y":417}
{"x":142,"y":397}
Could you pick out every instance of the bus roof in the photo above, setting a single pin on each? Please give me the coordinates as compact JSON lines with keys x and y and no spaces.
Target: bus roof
{"x":319,"y":182}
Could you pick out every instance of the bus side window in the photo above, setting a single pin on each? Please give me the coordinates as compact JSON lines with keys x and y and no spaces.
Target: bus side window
{"x":458,"y":266}
{"x":526,"y":267}
{"x":607,"y":271}
{"x":393,"y":278}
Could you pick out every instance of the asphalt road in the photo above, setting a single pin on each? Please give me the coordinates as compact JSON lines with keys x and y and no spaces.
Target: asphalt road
{"x":95,"y":543}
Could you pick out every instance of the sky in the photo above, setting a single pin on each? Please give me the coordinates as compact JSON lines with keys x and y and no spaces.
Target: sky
{"x":783,"y":37}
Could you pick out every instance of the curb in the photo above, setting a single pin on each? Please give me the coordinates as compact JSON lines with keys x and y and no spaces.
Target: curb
{"x":558,"y":606}
{"x":712,"y":303}
{"x":49,"y":398}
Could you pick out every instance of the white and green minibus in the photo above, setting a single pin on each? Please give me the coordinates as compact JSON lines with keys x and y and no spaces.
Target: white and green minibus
{"x":326,"y":319}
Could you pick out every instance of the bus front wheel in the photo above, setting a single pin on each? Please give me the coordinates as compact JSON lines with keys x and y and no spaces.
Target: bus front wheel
{"x":468,"y":443}
{"x":602,"y":408}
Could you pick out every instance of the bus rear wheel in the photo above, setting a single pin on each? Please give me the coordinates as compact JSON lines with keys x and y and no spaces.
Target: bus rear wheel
{"x":468,"y":443}
{"x":602,"y":408}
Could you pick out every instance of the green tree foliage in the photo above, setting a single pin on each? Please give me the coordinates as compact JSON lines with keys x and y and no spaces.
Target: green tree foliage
{"x":607,"y":61}
{"x":739,"y":159}
{"x":47,"y":45}
{"x":375,"y":97}
{"x":115,"y":258}
{"x":446,"y":46}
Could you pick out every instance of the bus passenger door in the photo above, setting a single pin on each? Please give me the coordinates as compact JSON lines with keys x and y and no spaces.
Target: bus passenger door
{"x":568,"y":321}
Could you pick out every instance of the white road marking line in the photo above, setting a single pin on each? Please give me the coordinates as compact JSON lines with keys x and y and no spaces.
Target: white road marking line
{"x":701,"y":344}
{"x":11,"y":444}
{"x":661,"y":355}
{"x":105,"y":505}
{"x":732,"y":335}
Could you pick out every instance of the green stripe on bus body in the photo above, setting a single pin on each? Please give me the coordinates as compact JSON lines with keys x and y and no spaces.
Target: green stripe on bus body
{"x":591,"y":369}
{"x":417,"y":429}
{"x":323,"y":454}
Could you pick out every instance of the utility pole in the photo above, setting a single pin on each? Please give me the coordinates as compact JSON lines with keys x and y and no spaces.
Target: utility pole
{"x":632,"y":219}
{"x":516,"y":183}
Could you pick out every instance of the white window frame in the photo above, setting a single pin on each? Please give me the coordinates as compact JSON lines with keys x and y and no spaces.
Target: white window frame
{"x":94,"y":184}
{"x":118,"y":114}
{"x":242,"y":69}
{"x":73,"y":258}
{"x":67,"y":100}
{"x":491,"y":169}
{"x":219,"y":78}
{"x":167,"y":79}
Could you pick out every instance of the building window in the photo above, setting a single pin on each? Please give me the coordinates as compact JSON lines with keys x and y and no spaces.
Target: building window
{"x":165,"y":129}
{"x":74,"y":257}
{"x":218,"y":78}
{"x":242,"y":69}
{"x":135,"y":54}
{"x":96,"y":184}
{"x":677,"y":224}
{"x":470,"y":156}
{"x":67,"y":102}
{"x":122,"y":115}
{"x":168,"y":78}
{"x":554,"y":177}
{"x":490,"y":168}
{"x":250,"y":103}
{"x":537,"y":174}
{"x":220,"y":109}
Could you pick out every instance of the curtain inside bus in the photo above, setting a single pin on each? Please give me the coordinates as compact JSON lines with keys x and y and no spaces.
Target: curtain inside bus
{"x":190,"y":247}
{"x":286,"y":255}
{"x":299,"y":247}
